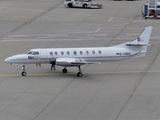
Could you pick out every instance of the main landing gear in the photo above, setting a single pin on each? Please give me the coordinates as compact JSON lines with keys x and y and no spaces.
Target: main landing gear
{"x":24,"y":73}
{"x":79,"y":74}
{"x":64,"y":70}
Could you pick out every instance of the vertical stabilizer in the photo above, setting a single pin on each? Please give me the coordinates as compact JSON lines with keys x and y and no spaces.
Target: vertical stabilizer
{"x":142,"y":42}
{"x":143,"y":38}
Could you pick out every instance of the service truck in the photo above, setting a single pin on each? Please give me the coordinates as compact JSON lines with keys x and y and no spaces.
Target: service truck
{"x":82,"y":4}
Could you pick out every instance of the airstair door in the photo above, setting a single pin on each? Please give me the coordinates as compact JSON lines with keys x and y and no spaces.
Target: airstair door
{"x":44,"y":57}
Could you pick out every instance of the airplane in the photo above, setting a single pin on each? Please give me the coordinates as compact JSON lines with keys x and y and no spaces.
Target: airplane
{"x":75,"y":57}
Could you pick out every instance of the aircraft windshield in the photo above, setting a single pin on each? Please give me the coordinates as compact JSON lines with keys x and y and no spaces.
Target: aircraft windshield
{"x":33,"y":53}
{"x":30,"y":52}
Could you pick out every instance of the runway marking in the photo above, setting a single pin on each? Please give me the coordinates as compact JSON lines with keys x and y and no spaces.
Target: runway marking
{"x":36,"y":35}
{"x":124,"y":36}
{"x":97,"y":30}
{"x":24,"y":9}
{"x":51,"y":39}
{"x":89,"y":73}
{"x":97,"y":34}
{"x":18,"y":35}
{"x":133,"y":34}
{"x":140,"y":17}
{"x":110,"y":19}
{"x":5,"y":118}
{"x":156,"y":25}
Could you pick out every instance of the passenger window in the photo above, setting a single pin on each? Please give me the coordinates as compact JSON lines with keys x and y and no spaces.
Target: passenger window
{"x":93,"y":52}
{"x":99,"y":52}
{"x":51,"y":53}
{"x":75,"y":52}
{"x":56,"y":53}
{"x":68,"y":53}
{"x":81,"y":52}
{"x":87,"y":52}
{"x":62,"y":53}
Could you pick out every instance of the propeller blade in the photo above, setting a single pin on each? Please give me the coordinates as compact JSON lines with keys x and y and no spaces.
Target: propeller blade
{"x":38,"y":64}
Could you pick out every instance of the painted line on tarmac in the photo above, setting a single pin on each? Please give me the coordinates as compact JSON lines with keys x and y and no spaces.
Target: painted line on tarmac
{"x":97,"y":30}
{"x":89,"y":73}
{"x":5,"y":118}
{"x":110,"y":19}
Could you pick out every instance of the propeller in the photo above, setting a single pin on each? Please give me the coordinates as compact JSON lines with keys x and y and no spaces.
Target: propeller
{"x":53,"y":65}
{"x":38,"y":64}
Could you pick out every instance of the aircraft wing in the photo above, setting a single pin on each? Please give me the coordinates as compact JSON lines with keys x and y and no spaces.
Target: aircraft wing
{"x":72,"y":62}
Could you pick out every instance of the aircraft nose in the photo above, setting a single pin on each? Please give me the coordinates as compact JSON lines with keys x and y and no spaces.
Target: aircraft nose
{"x":8,"y":60}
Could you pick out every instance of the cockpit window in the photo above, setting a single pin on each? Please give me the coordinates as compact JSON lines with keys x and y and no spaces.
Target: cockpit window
{"x":30,"y":52}
{"x":36,"y":53}
{"x":33,"y":53}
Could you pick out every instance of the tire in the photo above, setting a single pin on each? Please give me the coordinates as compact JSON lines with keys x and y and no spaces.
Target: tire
{"x":85,"y":6}
{"x":24,"y":73}
{"x":79,"y":74}
{"x":64,"y":70}
{"x":70,"y":5}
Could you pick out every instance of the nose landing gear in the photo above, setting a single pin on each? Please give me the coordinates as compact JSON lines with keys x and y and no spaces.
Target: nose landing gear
{"x":24,"y":73}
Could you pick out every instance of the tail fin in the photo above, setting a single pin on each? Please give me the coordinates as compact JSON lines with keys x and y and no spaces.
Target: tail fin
{"x":143,"y":39}
{"x":141,"y":43}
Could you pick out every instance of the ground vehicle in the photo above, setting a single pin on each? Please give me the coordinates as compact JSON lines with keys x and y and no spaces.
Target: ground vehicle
{"x":151,"y":9}
{"x":82,"y":4}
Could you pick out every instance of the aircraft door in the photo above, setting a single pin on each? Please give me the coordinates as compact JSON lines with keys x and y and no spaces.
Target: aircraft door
{"x":44,"y":57}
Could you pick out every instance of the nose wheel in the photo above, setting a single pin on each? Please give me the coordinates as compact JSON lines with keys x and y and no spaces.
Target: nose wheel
{"x":24,"y":73}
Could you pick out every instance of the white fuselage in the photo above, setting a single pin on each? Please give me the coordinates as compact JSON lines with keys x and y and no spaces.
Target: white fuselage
{"x":93,"y":54}
{"x":68,"y":57}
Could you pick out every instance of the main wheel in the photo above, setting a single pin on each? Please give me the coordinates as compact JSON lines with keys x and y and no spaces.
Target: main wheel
{"x":79,"y":74}
{"x":85,"y":6}
{"x":64,"y":70}
{"x":70,"y":5}
{"x":24,"y":73}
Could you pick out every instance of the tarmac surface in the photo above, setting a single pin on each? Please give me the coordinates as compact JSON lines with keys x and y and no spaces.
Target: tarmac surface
{"x":125,"y":90}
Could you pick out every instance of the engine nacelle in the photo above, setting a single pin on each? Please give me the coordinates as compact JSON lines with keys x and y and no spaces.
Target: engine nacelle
{"x":67,"y":61}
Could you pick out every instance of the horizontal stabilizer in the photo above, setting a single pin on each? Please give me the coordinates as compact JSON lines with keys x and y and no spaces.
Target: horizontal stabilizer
{"x":82,"y":63}
{"x":130,"y":44}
